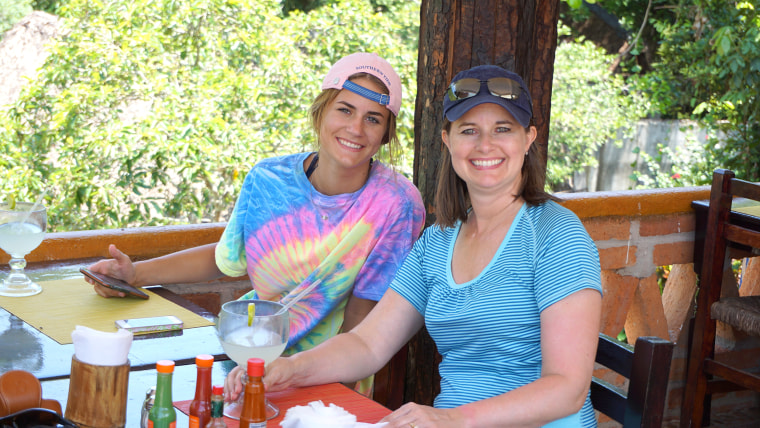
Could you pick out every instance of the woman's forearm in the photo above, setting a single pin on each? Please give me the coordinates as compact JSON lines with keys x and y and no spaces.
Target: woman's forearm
{"x":329,"y":362}
{"x":535,"y":404}
{"x":196,"y":264}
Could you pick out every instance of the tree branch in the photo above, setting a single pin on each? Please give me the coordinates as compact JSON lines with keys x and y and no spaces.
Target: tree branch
{"x":641,"y":29}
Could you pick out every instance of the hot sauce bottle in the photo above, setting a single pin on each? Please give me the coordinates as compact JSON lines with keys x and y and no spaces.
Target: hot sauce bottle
{"x":200,"y":407}
{"x":162,"y":414}
{"x":254,"y":413}
{"x":217,"y":408}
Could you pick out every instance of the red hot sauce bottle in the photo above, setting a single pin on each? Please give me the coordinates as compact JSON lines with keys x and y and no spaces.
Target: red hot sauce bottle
{"x":254,"y":413}
{"x":200,"y":407}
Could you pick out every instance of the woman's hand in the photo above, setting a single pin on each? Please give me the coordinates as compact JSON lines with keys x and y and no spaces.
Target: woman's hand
{"x":120,"y":267}
{"x":413,"y":415}
{"x":233,"y":384}
{"x":279,"y":374}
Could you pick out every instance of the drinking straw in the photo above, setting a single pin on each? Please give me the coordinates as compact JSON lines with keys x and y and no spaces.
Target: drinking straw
{"x":36,"y":203}
{"x":299,"y":296}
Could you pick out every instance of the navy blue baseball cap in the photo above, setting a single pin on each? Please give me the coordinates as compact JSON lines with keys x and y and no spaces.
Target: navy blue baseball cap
{"x":488,"y":84}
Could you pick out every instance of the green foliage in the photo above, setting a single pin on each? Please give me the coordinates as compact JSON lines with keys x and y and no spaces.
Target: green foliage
{"x":702,"y":62}
{"x":590,"y":106}
{"x":49,"y":6}
{"x":706,"y":68}
{"x":11,"y":11}
{"x":734,"y":108}
{"x":713,"y":62}
{"x":575,"y":4}
{"x":301,"y":5}
{"x":151,"y":112}
{"x":308,"y":5}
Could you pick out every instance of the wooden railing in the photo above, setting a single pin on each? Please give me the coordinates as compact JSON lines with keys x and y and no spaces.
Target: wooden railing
{"x":636,"y":232}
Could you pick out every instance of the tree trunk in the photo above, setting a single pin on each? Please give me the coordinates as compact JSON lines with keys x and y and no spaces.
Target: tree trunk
{"x":519,"y":35}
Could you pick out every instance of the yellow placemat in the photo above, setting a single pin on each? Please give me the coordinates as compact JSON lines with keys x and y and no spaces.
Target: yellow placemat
{"x":64,"y":304}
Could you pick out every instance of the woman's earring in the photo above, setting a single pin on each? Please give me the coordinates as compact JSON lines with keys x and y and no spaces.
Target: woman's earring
{"x":526,"y":154}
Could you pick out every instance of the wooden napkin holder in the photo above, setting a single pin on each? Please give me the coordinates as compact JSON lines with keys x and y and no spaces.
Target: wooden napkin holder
{"x":97,"y":395}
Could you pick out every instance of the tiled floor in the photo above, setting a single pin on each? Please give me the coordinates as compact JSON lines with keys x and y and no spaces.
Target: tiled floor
{"x":739,"y":418}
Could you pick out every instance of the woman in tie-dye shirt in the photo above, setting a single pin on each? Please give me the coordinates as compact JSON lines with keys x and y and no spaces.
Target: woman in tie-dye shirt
{"x":333,"y":215}
{"x":285,"y":234}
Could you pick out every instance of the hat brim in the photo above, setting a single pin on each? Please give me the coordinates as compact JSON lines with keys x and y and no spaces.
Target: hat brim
{"x":460,"y":108}
{"x":370,"y":63}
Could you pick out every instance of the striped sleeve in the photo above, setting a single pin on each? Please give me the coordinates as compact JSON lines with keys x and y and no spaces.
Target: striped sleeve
{"x":566,"y":259}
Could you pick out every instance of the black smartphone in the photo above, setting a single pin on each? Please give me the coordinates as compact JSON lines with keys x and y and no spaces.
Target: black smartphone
{"x":114,"y":284}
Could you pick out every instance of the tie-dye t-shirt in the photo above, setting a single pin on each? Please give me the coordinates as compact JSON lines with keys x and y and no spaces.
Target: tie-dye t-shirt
{"x":285,"y":235}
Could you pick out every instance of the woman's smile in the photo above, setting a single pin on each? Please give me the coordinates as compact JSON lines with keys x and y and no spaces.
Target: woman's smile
{"x":349,"y":144}
{"x":485,"y":164}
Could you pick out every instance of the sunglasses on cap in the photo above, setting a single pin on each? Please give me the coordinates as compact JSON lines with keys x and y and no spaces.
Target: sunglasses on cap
{"x":502,"y":87}
{"x":35,"y":417}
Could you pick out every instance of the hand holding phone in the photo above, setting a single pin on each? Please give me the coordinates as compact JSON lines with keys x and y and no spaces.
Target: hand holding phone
{"x":114,"y":284}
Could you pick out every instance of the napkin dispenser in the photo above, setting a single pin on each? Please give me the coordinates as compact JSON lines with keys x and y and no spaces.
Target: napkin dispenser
{"x":99,"y":378}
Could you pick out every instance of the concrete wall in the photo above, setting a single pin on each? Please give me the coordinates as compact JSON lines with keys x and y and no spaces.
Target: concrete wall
{"x":615,"y":162}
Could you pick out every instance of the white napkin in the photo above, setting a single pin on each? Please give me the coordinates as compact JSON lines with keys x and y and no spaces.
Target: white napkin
{"x":101,"y":348}
{"x":317,"y":415}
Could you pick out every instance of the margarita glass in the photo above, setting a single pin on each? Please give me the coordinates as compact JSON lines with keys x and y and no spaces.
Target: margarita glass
{"x":265,"y":338}
{"x":22,"y":229}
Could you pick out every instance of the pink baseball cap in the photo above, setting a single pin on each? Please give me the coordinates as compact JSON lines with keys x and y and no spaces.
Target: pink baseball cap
{"x":370,"y":63}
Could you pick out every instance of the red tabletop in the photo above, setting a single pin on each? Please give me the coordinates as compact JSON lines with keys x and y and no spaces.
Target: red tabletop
{"x":364,"y":408}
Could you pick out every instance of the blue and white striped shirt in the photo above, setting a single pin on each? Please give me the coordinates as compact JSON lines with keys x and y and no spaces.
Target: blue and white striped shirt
{"x":488,"y":329}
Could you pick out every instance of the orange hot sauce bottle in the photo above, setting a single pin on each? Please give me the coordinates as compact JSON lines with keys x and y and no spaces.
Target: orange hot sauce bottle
{"x":200,"y":407}
{"x":254,"y":413}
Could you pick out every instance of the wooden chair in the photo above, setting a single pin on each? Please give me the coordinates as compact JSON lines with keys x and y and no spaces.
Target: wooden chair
{"x":647,"y":366}
{"x":724,"y":239}
{"x":21,"y":390}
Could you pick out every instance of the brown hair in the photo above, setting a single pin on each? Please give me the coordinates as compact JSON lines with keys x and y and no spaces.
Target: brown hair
{"x":325,"y":97}
{"x":452,"y":199}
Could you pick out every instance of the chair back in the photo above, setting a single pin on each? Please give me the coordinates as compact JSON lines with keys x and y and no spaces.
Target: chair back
{"x":647,"y":367}
{"x":21,"y":390}
{"x":723,"y":231}
{"x":728,"y":235}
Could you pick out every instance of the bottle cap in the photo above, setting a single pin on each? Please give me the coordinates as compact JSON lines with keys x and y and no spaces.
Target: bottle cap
{"x":255,"y":367}
{"x":204,"y":360}
{"x":217,"y":390}
{"x":165,"y":366}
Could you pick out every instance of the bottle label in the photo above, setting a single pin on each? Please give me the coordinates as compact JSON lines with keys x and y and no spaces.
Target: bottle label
{"x":195,"y":422}
{"x":254,"y":425}
{"x":172,"y":424}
